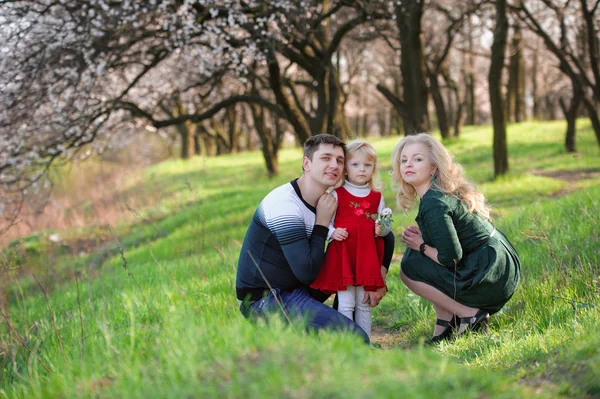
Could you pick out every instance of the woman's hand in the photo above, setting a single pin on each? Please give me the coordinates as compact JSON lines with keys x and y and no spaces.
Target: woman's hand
{"x":412,"y":237}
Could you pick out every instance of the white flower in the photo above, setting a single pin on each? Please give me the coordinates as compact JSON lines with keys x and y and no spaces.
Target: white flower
{"x":386,"y":212}
{"x":385,"y":218}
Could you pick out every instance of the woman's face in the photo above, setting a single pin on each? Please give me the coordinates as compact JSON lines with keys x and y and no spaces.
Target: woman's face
{"x":415,"y":165}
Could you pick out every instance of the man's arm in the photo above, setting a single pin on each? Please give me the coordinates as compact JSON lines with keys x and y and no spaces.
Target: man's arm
{"x":303,"y":253}
{"x":373,"y":297}
{"x":389,"y":241}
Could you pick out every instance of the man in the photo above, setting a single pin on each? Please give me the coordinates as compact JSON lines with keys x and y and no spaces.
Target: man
{"x":284,"y":245}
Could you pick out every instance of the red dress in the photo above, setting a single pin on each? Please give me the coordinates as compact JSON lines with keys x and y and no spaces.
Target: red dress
{"x":357,"y":259}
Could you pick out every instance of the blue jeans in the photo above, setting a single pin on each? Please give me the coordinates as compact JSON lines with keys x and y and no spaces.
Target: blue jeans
{"x":298,"y":304}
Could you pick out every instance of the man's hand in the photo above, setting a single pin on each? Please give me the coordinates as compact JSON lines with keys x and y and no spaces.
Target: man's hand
{"x":339,"y":234}
{"x":373,"y":297}
{"x":326,"y":207}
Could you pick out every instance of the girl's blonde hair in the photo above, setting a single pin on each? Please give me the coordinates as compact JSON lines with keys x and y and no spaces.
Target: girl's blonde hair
{"x":367,"y":149}
{"x":449,"y":177}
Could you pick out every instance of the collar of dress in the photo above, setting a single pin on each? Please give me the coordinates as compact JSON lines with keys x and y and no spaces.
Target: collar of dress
{"x":348,"y":184}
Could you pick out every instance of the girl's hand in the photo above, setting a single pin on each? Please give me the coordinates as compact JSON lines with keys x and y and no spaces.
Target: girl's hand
{"x":412,"y":237}
{"x":339,"y":234}
{"x":377,"y":230}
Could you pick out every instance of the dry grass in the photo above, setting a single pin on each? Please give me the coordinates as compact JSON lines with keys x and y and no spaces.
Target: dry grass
{"x":92,"y":200}
{"x":96,"y":191}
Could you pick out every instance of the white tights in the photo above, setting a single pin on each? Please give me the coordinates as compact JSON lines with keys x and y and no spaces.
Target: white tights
{"x":351,"y":302}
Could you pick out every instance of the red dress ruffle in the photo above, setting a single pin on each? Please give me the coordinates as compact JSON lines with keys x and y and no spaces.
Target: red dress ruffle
{"x":356,"y":260}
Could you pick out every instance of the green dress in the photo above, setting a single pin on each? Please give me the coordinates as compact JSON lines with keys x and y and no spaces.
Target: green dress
{"x":488,"y":269}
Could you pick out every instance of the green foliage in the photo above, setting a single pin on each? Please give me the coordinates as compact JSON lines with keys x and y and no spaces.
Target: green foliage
{"x":160,"y":319}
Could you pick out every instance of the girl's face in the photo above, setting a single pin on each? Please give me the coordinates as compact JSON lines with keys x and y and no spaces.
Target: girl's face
{"x":359,"y":168}
{"x":415,"y":165}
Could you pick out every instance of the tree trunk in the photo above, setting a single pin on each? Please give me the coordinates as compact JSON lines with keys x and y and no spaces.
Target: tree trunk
{"x":208,"y":140}
{"x":400,"y":107}
{"x":449,"y":99}
{"x":495,"y":87}
{"x":515,"y":94}
{"x":197,"y":143}
{"x":534,"y":84}
{"x":332,"y":105}
{"x":186,"y":132}
{"x":342,"y":128}
{"x":398,"y":118}
{"x":233,"y":130}
{"x":249,"y":124}
{"x":440,"y":108}
{"x":471,"y":119}
{"x":293,"y":113}
{"x":382,"y":119}
{"x":469,"y":78}
{"x":364,"y":128}
{"x":187,"y":140}
{"x":571,"y":116}
{"x":396,"y":122}
{"x":593,"y":43}
{"x":269,"y":142}
{"x":593,"y":115}
{"x":453,"y":90}
{"x":408,"y":20}
{"x":457,"y":121}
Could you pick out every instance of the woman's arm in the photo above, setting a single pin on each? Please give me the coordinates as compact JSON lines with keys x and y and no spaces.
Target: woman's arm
{"x":444,"y":248}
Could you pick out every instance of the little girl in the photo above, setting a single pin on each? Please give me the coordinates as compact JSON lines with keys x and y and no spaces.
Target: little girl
{"x":352,"y":264}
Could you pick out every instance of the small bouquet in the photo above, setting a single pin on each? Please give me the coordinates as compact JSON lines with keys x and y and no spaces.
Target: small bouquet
{"x":384,"y":219}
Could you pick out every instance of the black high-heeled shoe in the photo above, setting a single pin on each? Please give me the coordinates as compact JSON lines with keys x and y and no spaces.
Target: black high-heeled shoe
{"x":447,"y":333}
{"x":478,"y":322}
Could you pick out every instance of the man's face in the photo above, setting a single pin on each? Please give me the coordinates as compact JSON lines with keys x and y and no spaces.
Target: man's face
{"x":327,"y":165}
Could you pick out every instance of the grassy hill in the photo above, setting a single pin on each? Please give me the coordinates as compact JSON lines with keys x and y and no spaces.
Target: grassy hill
{"x":147,"y":308}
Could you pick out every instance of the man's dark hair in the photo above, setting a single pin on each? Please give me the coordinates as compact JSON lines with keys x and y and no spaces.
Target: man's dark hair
{"x":312,"y":144}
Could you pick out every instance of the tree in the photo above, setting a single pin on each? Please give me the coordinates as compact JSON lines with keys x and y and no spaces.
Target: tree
{"x":495,"y":87}
{"x":80,"y":71}
{"x":437,"y":48}
{"x":515,"y":91}
{"x":413,"y":107}
{"x":562,"y":22}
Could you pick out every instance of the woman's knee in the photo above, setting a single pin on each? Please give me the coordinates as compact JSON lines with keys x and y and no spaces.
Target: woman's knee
{"x":405,"y":280}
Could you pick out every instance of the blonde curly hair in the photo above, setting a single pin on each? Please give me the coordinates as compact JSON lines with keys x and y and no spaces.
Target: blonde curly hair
{"x":449,"y":177}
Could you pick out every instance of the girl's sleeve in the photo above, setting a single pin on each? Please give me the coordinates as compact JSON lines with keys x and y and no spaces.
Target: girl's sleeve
{"x":384,"y":230}
{"x":439,"y":225}
{"x":331,"y":228}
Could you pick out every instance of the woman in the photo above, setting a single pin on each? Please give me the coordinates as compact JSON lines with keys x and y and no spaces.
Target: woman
{"x":455,"y":259}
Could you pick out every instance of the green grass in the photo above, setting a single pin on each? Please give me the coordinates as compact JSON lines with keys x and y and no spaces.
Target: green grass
{"x":166,"y":324}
